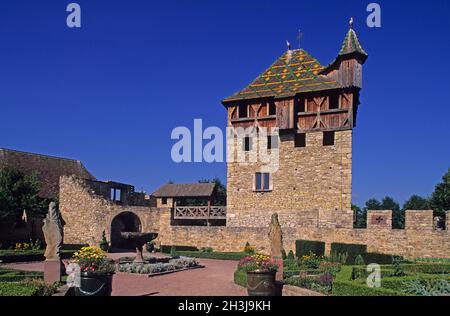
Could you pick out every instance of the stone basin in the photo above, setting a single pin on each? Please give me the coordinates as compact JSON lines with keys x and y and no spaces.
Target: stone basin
{"x":138,"y":240}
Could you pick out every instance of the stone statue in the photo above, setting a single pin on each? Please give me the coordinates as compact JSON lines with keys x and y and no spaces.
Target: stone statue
{"x":53,"y":233}
{"x":275,"y":237}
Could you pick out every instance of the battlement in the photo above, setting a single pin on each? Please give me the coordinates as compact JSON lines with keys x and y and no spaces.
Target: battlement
{"x":414,"y":220}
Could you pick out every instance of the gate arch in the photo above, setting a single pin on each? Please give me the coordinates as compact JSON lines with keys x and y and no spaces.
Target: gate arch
{"x":124,"y":222}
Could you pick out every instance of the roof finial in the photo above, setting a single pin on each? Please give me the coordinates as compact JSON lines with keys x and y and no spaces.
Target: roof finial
{"x":299,"y":38}
{"x":351,"y":22}
{"x":288,"y":45}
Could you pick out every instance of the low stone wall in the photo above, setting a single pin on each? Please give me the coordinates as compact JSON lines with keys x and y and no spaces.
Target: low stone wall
{"x":416,"y":241}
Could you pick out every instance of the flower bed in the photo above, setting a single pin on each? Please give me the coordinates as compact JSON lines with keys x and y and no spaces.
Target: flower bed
{"x":351,"y":281}
{"x":153,"y":269}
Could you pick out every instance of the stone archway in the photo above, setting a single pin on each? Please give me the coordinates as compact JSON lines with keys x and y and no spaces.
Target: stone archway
{"x":124,"y":222}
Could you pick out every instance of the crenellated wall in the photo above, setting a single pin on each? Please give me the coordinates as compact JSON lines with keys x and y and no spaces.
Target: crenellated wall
{"x":86,"y":215}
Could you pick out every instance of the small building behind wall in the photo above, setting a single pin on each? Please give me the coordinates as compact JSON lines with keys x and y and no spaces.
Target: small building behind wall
{"x":191,"y":204}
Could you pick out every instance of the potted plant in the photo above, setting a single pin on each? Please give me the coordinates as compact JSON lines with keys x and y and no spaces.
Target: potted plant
{"x":96,"y":272}
{"x":261,"y":271}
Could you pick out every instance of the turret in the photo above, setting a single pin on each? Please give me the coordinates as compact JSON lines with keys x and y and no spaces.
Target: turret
{"x":347,"y":67}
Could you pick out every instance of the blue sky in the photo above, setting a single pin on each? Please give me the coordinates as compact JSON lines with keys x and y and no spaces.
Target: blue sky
{"x":110,"y":93}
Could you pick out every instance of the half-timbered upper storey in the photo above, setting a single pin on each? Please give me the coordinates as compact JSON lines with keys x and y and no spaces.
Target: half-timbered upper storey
{"x":298,"y":93}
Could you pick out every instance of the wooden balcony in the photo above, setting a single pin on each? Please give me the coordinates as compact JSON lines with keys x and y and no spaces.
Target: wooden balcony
{"x":200,"y":212}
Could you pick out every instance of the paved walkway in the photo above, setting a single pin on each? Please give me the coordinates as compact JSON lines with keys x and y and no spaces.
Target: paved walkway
{"x":216,"y":279}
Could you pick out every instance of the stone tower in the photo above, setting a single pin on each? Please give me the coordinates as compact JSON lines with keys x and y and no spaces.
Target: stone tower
{"x":308,"y":111}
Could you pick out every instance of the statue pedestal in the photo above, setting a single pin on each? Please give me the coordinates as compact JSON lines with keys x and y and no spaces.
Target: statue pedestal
{"x":52,"y":271}
{"x":279,"y":262}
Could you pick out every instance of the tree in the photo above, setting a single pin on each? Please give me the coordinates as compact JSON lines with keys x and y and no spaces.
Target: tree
{"x":19,"y":192}
{"x":361,"y":216}
{"x":416,"y":203}
{"x":440,"y":199}
{"x":398,"y":216}
{"x":221,"y":191}
{"x":373,"y":205}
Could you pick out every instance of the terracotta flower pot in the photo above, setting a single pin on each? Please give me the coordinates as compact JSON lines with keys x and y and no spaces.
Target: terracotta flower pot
{"x":261,"y":283}
{"x":94,"y":285}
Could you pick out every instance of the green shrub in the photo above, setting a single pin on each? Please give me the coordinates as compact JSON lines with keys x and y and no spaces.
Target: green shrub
{"x":283,"y":254}
{"x":291,"y":255}
{"x":167,"y":248}
{"x":427,"y":287}
{"x":206,"y":249}
{"x":340,"y":258}
{"x":104,"y":244}
{"x":290,"y":273}
{"x":27,"y":288}
{"x":343,"y":285}
{"x":359,"y":261}
{"x":352,"y":251}
{"x":429,"y":268}
{"x":17,"y":289}
{"x":397,"y":267}
{"x":310,"y":261}
{"x":378,"y":258}
{"x":249,"y":249}
{"x":213,"y":255}
{"x":305,"y":247}
{"x":240,"y":278}
{"x":290,"y":264}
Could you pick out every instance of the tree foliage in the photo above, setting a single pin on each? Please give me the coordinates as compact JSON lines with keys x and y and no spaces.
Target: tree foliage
{"x":416,"y":203}
{"x":440,"y":199}
{"x":19,"y":192}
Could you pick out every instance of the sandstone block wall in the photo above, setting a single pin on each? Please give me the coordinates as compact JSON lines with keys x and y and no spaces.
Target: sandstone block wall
{"x":311,"y":180}
{"x":86,"y":215}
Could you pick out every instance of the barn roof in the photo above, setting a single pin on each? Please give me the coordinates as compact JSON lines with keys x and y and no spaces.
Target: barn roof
{"x":47,"y":168}
{"x":296,"y":71}
{"x":185,"y":190}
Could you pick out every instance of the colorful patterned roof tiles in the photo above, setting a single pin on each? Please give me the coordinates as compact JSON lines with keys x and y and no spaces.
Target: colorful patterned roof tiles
{"x":294,"y":72}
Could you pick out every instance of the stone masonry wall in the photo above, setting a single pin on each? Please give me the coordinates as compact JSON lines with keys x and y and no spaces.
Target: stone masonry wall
{"x":311,"y":182}
{"x":87,"y":215}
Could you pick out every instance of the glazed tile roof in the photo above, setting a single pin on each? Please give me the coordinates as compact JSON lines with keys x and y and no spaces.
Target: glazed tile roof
{"x":294,"y":72}
{"x":351,"y":44}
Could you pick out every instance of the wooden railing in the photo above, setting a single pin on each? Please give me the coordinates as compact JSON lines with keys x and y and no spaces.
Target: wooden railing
{"x":200,"y":212}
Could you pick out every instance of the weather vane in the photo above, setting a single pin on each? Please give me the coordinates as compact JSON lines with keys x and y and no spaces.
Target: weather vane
{"x":299,"y":37}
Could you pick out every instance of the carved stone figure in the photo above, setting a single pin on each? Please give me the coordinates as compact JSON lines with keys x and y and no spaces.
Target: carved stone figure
{"x":275,"y":237}
{"x":53,"y":233}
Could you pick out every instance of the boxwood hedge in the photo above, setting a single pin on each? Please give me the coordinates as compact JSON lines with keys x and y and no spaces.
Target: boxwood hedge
{"x":305,"y":247}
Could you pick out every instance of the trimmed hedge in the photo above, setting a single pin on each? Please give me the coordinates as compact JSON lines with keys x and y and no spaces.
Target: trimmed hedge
{"x":167,"y":248}
{"x":240,"y":278}
{"x":343,"y":285}
{"x":213,"y":255}
{"x":9,"y":275}
{"x":18,"y":289}
{"x":380,"y":258}
{"x":305,"y":247}
{"x":352,"y":250}
{"x":429,"y":268}
{"x":10,"y":256}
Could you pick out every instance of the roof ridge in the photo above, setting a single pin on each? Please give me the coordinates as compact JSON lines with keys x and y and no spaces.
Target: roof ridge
{"x":41,"y":155}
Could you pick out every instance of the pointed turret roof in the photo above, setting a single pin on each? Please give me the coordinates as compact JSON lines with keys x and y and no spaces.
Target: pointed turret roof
{"x":351,"y":44}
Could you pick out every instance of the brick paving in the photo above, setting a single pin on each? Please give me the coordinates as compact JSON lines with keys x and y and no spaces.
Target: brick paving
{"x":216,"y":279}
